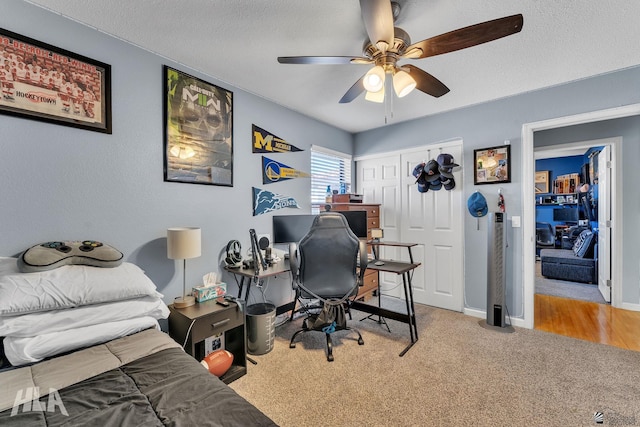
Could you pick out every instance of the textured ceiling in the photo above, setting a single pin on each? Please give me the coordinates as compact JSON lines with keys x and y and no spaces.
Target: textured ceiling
{"x":238,"y":41}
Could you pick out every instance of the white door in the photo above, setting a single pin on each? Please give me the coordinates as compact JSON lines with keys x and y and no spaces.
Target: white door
{"x":379,"y":182}
{"x":604,"y":222}
{"x":433,"y":220}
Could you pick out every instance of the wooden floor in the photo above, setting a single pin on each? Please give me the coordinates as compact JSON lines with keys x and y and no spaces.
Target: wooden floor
{"x":588,"y":321}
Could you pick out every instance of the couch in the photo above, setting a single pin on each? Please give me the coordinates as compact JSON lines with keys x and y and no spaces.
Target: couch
{"x":578,"y":264}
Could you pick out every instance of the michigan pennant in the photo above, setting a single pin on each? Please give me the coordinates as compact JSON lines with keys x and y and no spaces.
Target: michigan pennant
{"x":265,"y":201}
{"x":265,"y":142}
{"x":273,"y":171}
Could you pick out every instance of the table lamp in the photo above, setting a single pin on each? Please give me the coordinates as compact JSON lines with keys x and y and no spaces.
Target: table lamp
{"x":183,"y":243}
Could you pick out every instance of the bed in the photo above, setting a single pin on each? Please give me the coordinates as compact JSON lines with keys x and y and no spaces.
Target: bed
{"x":82,"y":346}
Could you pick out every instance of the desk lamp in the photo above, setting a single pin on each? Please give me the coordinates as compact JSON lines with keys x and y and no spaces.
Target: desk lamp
{"x":183,"y":243}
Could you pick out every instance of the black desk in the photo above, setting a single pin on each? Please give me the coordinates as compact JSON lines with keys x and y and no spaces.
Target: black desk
{"x":249,"y":276}
{"x":404,"y":269}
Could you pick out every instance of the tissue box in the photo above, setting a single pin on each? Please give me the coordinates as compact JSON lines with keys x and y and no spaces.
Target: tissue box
{"x":205,"y":293}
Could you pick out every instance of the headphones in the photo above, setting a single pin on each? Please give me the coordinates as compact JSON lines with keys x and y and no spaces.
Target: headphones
{"x":234,"y":257}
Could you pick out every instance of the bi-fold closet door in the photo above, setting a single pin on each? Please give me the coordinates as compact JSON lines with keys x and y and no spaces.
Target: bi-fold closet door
{"x":433,"y":220}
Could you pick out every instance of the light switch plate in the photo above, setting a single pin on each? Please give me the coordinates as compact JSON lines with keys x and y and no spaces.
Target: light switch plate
{"x":515,"y":221}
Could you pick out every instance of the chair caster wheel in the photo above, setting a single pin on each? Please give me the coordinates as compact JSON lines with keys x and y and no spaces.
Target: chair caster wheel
{"x":360,"y":341}
{"x":330,"y":358}
{"x":292,"y":345}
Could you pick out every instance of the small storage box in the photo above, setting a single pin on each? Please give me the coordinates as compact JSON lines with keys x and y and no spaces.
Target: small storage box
{"x":205,"y":293}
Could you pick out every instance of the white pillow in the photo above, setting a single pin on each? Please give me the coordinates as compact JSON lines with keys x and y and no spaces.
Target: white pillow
{"x":69,"y":286}
{"x":44,"y":322}
{"x":22,"y":350}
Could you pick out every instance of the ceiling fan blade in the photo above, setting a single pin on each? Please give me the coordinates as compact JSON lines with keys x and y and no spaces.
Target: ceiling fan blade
{"x":426,"y":83}
{"x":323,"y":60}
{"x":378,"y":20}
{"x":468,"y":36}
{"x":353,"y":92}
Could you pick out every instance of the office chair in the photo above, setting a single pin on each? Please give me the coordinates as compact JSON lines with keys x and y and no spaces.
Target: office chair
{"x":324,"y":267}
{"x":545,"y":237}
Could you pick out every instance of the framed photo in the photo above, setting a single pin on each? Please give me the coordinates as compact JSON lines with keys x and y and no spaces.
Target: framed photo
{"x":570,"y":199}
{"x":42,"y":82}
{"x":542,"y":182}
{"x":492,"y":165}
{"x":198,"y":130}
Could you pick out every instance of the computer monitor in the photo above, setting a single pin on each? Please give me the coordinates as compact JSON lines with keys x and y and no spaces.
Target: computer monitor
{"x":567,"y":215}
{"x":291,"y":228}
{"x":357,"y":222}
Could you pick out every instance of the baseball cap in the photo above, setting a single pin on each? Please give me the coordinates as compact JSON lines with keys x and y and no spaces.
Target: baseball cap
{"x":449,"y":183}
{"x":435,"y":185}
{"x":431,"y":170}
{"x":446,"y":164}
{"x":477,"y":205}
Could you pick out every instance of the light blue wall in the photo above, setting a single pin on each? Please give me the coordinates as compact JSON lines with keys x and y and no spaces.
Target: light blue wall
{"x":61,"y":183}
{"x":492,"y":123}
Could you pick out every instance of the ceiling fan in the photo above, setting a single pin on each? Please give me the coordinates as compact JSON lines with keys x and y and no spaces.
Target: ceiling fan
{"x":387,"y":45}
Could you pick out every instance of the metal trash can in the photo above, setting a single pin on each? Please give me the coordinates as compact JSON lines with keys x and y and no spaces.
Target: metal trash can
{"x":261,"y":328}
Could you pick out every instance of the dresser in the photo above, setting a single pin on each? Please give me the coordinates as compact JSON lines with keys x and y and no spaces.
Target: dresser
{"x":370,"y":281}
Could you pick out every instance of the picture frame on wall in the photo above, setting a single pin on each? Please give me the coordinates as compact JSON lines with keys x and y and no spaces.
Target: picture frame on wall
{"x":541,"y":182}
{"x":198,"y":130}
{"x":492,"y":165}
{"x":46,"y":83}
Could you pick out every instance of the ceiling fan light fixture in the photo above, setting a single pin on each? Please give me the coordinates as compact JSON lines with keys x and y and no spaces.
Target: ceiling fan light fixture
{"x":374,"y":79}
{"x":375,"y":96}
{"x":403,"y":83}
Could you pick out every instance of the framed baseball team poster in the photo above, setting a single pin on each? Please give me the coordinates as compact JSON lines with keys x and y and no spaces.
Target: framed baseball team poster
{"x":198,"y":130}
{"x":42,"y":82}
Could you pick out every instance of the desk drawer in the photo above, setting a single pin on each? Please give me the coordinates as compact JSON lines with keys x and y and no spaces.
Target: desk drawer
{"x":369,"y":284}
{"x":215,"y":323}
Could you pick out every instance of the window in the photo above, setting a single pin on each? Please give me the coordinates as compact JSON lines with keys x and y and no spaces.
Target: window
{"x":328,"y":168}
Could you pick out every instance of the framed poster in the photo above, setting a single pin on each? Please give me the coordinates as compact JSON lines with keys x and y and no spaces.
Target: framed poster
{"x":198,"y":130}
{"x":492,"y":165}
{"x":542,"y":182}
{"x":42,"y":82}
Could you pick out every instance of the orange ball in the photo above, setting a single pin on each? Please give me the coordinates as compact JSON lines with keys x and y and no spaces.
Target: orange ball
{"x":218,"y":362}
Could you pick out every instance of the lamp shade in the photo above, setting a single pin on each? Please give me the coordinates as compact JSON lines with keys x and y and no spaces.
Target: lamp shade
{"x":184,"y":242}
{"x":375,"y":96}
{"x":403,"y":83}
{"x":374,"y":79}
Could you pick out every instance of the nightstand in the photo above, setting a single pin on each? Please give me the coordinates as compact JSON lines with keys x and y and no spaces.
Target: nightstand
{"x":190,"y":326}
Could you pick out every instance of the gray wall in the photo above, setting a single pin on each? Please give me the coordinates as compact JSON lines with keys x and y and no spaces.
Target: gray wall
{"x":494,"y":122}
{"x":62,"y":183}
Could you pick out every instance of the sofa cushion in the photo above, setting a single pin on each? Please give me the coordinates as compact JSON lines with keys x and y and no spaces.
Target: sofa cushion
{"x":564,"y":256}
{"x":583,"y":246}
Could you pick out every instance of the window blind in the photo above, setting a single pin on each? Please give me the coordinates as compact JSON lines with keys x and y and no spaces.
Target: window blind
{"x":328,"y":168}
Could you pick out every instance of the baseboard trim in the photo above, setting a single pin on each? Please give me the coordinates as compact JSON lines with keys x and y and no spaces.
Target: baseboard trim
{"x":630,"y":306}
{"x":515,"y":321}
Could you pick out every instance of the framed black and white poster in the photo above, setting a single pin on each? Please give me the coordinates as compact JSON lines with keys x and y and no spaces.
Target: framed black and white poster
{"x":492,"y":165}
{"x":198,"y":130}
{"x":42,"y":82}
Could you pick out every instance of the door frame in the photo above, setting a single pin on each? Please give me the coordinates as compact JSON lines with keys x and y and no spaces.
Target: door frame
{"x":528,"y":202}
{"x":613,"y":144}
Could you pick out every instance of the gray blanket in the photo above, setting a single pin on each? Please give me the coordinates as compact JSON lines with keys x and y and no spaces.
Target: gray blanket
{"x":167,"y":387}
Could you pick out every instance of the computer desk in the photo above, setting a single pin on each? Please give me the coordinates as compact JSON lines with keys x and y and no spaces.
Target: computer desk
{"x":249,"y":276}
{"x":405,"y":269}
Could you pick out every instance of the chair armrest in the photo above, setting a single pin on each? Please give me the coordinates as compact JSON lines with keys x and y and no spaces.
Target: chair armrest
{"x":294,"y":262}
{"x":364,"y":260}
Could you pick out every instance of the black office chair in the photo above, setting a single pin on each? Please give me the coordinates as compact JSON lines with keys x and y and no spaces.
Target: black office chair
{"x":324,"y":266}
{"x":545,"y":237}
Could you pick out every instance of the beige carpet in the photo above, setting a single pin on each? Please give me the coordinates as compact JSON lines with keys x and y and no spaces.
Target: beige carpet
{"x":457,"y":374}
